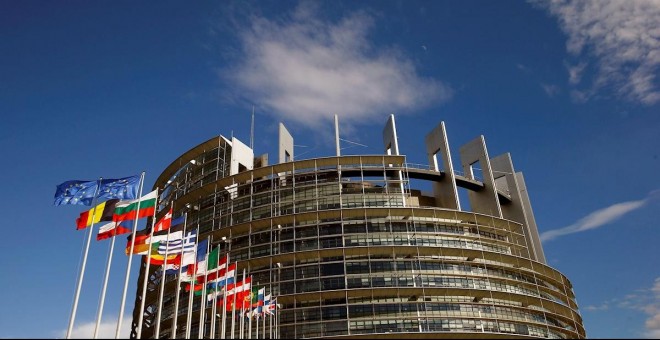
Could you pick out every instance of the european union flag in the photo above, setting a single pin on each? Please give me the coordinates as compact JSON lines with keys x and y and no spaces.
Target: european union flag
{"x":82,"y":192}
{"x":75,"y":192}
{"x":121,"y":188}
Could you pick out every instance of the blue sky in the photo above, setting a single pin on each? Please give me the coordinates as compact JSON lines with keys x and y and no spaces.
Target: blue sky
{"x":111,"y":89}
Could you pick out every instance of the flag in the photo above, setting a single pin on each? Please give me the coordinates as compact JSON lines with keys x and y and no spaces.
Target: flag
{"x":172,"y":267}
{"x":164,"y":222}
{"x":260,"y":297}
{"x":189,"y":260}
{"x":158,"y":259}
{"x":267,"y":304}
{"x":142,"y":243}
{"x":254,"y":298}
{"x":258,"y":306}
{"x":225,"y":278}
{"x":178,"y":245}
{"x":81,"y":192}
{"x":111,"y":229}
{"x":241,"y":290}
{"x":102,"y":212}
{"x":221,"y":282}
{"x":127,"y":210}
{"x":75,"y":192}
{"x":215,"y":274}
{"x":272,"y":306}
{"x":178,"y":221}
{"x":121,"y":188}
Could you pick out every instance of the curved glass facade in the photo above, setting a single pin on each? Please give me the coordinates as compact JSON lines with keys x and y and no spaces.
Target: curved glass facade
{"x":350,"y":249}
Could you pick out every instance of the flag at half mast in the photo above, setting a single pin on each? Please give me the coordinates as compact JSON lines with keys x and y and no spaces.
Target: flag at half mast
{"x":128,"y":210}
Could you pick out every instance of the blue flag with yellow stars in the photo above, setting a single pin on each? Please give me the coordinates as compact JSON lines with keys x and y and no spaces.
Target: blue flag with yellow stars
{"x":79,"y":192}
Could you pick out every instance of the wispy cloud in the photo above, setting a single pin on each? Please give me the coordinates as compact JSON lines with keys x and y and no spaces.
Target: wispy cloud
{"x":645,"y":300}
{"x":550,"y":90}
{"x":624,"y":38}
{"x":107,"y":329}
{"x":575,"y":72}
{"x":523,"y":68}
{"x":604,"y":306}
{"x":599,"y":218}
{"x":306,"y":69}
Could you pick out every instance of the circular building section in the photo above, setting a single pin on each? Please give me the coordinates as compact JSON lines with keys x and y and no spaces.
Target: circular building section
{"x":351,"y":250}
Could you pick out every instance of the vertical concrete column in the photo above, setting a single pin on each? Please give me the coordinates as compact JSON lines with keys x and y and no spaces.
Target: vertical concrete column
{"x":241,"y":156}
{"x":391,"y":144}
{"x":389,"y":137}
{"x":483,"y":201}
{"x":527,"y":205}
{"x":285,"y":145}
{"x":445,"y":191}
{"x":519,"y":209}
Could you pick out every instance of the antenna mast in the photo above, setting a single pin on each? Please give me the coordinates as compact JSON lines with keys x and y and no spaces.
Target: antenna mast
{"x":252,"y":131}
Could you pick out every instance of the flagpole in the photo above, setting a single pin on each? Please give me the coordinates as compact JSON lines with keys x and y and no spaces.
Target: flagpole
{"x":72,"y":318}
{"x":263,"y":322}
{"x":233,"y":310}
{"x":130,"y":259}
{"x":214,"y":308}
{"x":178,"y":280}
{"x":224,"y":295}
{"x":146,"y":272}
{"x":105,"y":281}
{"x":243,"y":306}
{"x":192,"y":287}
{"x":162,"y":278}
{"x":249,"y":313}
{"x":202,"y":305}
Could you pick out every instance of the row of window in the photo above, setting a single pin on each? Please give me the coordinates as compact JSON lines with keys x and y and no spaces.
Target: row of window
{"x":313,"y":330}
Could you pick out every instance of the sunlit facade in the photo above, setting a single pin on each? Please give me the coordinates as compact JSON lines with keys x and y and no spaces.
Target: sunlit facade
{"x":352,"y":250}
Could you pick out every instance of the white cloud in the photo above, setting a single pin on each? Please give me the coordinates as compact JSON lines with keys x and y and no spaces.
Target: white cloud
{"x":307,"y":69}
{"x":598,"y":218}
{"x":575,"y":72}
{"x":107,"y":329}
{"x":550,"y":90}
{"x":623,"y":36}
{"x":604,"y":306}
{"x":523,"y":68}
{"x":644,"y":300}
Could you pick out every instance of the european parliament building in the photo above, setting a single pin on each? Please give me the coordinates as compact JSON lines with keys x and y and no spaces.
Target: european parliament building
{"x":352,"y":249}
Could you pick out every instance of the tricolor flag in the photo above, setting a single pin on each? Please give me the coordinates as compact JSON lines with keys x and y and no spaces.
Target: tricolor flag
{"x":258,"y":307}
{"x":172,"y":267}
{"x":111,"y":229}
{"x":142,"y":243}
{"x":214,"y":267}
{"x":128,"y":210}
{"x":158,"y":259}
{"x":164,"y":222}
{"x":224,"y":280}
{"x":101,"y":212}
